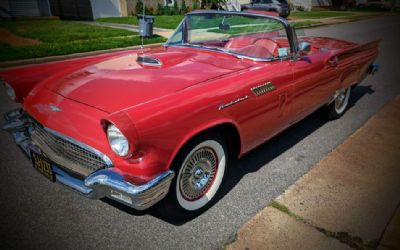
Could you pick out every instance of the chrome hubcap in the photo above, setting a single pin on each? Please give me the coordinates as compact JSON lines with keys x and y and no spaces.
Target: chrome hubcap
{"x":340,"y":101}
{"x":198,"y":173}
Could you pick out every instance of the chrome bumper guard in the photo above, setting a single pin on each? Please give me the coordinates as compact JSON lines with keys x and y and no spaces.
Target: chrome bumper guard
{"x":99,"y":184}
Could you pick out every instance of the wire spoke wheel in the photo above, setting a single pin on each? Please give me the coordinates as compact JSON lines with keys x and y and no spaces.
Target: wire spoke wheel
{"x":200,"y":175}
{"x":342,"y":100}
{"x":338,"y":106}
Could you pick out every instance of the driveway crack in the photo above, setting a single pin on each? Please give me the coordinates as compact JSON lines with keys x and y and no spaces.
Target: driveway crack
{"x":343,"y":237}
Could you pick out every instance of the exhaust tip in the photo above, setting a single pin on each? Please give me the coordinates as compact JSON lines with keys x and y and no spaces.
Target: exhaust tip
{"x":373,"y":68}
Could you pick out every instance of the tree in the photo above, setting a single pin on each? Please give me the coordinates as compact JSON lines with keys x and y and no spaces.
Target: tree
{"x":184,"y":8}
{"x":139,"y":8}
{"x":213,"y":4}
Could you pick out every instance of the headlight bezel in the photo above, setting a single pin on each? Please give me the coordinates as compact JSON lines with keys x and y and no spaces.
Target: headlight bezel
{"x":118,"y":142}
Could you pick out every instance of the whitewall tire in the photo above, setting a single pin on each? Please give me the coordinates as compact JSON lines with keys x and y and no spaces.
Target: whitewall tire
{"x":200,"y":175}
{"x":339,"y":104}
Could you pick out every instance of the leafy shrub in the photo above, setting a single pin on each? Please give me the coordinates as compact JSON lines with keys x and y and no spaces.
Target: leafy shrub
{"x":139,"y":8}
{"x":160,"y":9}
{"x":175,"y":8}
{"x":195,"y":5}
{"x":184,"y":9}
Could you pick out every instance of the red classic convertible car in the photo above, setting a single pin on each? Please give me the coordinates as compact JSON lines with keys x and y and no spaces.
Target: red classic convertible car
{"x":159,"y":125}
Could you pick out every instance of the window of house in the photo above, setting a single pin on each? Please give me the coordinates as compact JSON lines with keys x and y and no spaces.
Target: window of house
{"x":169,"y":2}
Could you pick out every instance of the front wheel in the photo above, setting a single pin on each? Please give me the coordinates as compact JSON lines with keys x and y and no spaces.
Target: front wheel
{"x":199,"y":169}
{"x":339,"y":105}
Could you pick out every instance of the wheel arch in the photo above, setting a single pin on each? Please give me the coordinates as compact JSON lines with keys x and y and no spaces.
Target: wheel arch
{"x":227,"y":128}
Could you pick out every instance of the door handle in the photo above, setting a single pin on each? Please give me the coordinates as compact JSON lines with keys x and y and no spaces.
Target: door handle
{"x":334,"y":61}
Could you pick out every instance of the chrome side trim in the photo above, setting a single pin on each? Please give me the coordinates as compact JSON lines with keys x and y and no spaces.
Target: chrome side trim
{"x":263,"y":88}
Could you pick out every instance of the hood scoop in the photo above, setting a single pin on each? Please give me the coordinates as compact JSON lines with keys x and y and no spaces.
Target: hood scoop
{"x":147,"y":60}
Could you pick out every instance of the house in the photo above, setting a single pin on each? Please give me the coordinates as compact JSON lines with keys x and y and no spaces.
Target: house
{"x":78,"y":9}
{"x":88,"y":9}
{"x":15,"y":8}
{"x":65,"y":9}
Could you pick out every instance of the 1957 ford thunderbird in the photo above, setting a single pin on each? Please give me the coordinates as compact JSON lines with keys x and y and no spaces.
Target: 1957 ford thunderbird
{"x":158,"y":125}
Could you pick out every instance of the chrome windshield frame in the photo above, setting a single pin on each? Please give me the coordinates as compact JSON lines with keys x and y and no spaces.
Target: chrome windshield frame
{"x":290,"y":32}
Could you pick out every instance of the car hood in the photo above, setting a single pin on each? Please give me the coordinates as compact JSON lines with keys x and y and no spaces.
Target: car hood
{"x":120,"y":82}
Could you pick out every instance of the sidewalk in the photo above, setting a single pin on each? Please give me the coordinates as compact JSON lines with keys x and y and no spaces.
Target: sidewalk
{"x":350,"y":199}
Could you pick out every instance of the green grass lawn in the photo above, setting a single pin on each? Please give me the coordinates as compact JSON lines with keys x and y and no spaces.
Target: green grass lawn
{"x":65,"y":37}
{"x":166,"y":22}
{"x":320,"y":14}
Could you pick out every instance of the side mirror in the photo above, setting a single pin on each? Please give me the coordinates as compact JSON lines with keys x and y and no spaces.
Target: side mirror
{"x":304,"y":48}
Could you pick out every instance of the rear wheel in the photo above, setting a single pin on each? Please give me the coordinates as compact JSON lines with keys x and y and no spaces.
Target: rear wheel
{"x":339,"y":105}
{"x":199,"y":171}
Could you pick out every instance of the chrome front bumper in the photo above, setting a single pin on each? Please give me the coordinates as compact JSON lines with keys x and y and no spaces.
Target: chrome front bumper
{"x":99,"y":184}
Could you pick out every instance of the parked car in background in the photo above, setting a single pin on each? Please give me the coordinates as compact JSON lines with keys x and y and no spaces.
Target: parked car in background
{"x":160,"y":125}
{"x":382,"y":4}
{"x":279,"y":6}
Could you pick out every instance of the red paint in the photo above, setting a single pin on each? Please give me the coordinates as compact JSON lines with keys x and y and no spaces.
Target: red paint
{"x":160,"y":108}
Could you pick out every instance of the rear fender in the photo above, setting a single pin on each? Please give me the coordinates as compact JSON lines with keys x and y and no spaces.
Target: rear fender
{"x":353,"y":62}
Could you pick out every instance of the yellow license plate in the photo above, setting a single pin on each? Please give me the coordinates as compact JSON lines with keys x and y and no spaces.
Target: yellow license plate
{"x":43,"y":165}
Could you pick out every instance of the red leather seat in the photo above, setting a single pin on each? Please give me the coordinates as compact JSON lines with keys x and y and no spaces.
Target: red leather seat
{"x":239,"y":42}
{"x":254,"y":51}
{"x":270,"y":45}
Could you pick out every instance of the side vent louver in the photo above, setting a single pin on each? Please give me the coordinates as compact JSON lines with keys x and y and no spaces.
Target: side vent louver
{"x":263,"y":88}
{"x":148,"y":61}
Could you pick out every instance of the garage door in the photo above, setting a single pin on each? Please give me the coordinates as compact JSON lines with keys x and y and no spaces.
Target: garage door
{"x":24,"y":8}
{"x":72,"y":9}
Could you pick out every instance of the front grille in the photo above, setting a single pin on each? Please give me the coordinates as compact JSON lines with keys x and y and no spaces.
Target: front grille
{"x":66,"y":153}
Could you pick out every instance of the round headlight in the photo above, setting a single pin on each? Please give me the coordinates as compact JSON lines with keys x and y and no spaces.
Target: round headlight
{"x":118,"y":142}
{"x":10,"y":91}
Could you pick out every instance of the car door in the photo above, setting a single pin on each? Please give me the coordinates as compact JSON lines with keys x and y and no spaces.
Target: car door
{"x":314,"y":82}
{"x":265,"y":111}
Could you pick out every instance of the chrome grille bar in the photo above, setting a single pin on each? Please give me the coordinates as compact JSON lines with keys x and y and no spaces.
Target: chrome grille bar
{"x":69,"y":153}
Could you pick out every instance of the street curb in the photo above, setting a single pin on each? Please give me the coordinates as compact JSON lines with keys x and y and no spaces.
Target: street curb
{"x":325,"y":182}
{"x":24,"y":62}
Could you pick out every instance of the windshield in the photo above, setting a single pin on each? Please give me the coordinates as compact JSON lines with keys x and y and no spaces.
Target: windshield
{"x":241,"y":34}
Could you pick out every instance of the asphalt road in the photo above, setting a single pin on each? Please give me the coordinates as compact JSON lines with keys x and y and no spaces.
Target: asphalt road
{"x":35,"y":213}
